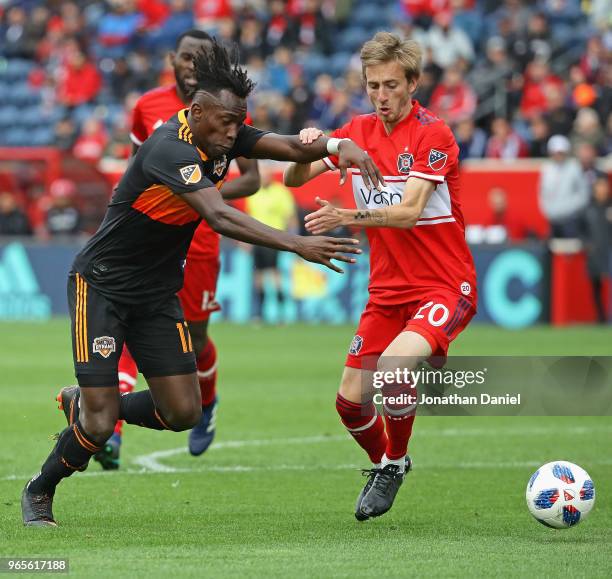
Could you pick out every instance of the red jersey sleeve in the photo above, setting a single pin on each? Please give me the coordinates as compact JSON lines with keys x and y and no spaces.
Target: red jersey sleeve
{"x":341,"y":133}
{"x":436,"y":155}
{"x":138,"y":134}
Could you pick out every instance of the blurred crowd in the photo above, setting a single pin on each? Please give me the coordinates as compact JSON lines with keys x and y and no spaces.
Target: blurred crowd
{"x":506,"y":75}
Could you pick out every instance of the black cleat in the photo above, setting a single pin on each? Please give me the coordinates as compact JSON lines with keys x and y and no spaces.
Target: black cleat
{"x":108,"y":457}
{"x":37,"y":510}
{"x":379,"y":492}
{"x":68,"y":402}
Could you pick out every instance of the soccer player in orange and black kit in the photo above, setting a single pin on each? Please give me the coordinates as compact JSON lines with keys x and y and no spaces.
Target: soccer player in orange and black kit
{"x":197,"y":296}
{"x":123,"y":284}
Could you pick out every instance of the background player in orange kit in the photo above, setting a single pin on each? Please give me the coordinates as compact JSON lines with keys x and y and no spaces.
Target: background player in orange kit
{"x":422,"y":289}
{"x":202,"y":266}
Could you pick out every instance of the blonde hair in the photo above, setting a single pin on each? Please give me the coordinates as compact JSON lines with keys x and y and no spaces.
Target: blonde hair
{"x":386,"y":46}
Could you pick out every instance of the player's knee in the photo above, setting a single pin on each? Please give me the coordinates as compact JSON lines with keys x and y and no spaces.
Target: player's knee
{"x":99,"y":426}
{"x":184,"y":417}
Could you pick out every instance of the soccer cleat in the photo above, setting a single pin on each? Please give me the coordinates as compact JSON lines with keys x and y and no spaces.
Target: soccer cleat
{"x":108,"y":457}
{"x":202,"y":434}
{"x":379,"y":492}
{"x":68,"y":402}
{"x":37,"y":510}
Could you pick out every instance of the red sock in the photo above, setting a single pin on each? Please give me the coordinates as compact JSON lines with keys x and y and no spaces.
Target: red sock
{"x":207,"y":372}
{"x":399,"y":418}
{"x":365,"y":425}
{"x":128,"y":374}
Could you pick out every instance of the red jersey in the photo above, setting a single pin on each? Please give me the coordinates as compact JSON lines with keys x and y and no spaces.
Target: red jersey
{"x":153,"y":109}
{"x":405,"y":264}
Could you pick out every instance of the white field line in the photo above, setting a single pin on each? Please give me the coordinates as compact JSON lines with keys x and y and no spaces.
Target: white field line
{"x":149,"y":463}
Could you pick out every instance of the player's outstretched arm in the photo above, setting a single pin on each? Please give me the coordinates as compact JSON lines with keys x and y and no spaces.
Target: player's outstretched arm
{"x":290,"y":148}
{"x":228,"y":221}
{"x":296,"y":174}
{"x":247,"y":184}
{"x":402,"y":216}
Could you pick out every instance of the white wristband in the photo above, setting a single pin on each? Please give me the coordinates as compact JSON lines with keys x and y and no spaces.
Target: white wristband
{"x":333,"y":145}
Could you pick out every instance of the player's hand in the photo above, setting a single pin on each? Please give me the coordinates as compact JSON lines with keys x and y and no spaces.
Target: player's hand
{"x":351,"y":155}
{"x":310,"y":135}
{"x":323,"y":249}
{"x":325,"y":219}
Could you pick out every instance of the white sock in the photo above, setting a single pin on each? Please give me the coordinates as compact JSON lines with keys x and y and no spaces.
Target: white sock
{"x":401,"y":462}
{"x":376,"y":465}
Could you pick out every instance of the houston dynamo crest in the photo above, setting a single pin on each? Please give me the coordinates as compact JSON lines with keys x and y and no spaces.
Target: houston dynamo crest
{"x":104,"y":345}
{"x":219,"y":166}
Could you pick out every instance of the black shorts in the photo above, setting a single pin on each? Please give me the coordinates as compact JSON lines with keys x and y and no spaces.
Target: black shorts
{"x":265,"y":257}
{"x":156,"y":335}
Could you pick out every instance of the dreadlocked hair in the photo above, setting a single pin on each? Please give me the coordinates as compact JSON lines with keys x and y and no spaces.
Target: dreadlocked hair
{"x":216,"y":70}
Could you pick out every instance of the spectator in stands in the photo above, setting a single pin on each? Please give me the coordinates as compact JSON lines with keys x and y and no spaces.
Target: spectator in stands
{"x":63,"y":217}
{"x":563,"y":192}
{"x":597,"y":241}
{"x":607,"y":147}
{"x":273,"y":205}
{"x":287,"y":120}
{"x":504,"y":142}
{"x":250,"y":39}
{"x":323,"y":96}
{"x":302,"y":97}
{"x":91,"y":142}
{"x":80,"y":80}
{"x":453,"y":100}
{"x":13,"y":221}
{"x":65,"y":134}
{"x":535,"y":41}
{"x":471,"y":139}
{"x":118,"y":28}
{"x":587,"y":129}
{"x":539,"y":130}
{"x":448,"y":42}
{"x":14,"y":42}
{"x":538,"y":80}
{"x":208,"y":12}
{"x":311,"y":28}
{"x":468,"y":18}
{"x":594,"y":58}
{"x":278,"y":28}
{"x":586,"y":153}
{"x":491,"y":78}
{"x":558,"y":115}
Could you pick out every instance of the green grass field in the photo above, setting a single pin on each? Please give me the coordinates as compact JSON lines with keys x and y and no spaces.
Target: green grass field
{"x":275,"y":496}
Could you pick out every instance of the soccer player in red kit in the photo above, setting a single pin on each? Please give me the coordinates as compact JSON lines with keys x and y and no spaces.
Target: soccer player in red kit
{"x":422,"y":290}
{"x":202,"y":266}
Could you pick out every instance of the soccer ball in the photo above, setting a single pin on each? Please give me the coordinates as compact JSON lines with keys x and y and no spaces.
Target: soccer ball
{"x":560,"y":494}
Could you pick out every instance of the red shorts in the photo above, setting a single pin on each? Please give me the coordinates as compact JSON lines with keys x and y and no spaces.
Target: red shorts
{"x":198,"y":293}
{"x":439,"y":318}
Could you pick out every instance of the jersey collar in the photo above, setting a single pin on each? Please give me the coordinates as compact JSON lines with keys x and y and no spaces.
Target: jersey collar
{"x":182,"y":118}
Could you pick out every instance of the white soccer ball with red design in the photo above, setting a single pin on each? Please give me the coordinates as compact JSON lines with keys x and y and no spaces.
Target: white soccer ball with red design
{"x":560,"y":494}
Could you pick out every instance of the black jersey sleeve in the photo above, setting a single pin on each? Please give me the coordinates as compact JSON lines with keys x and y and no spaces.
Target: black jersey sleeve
{"x":245,"y":141}
{"x":177,"y":165}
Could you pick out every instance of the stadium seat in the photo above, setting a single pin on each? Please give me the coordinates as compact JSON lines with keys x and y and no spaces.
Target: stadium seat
{"x":338,"y":63}
{"x":352,"y":38}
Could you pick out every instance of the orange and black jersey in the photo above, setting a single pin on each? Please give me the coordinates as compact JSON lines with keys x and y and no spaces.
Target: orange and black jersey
{"x":139,"y":250}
